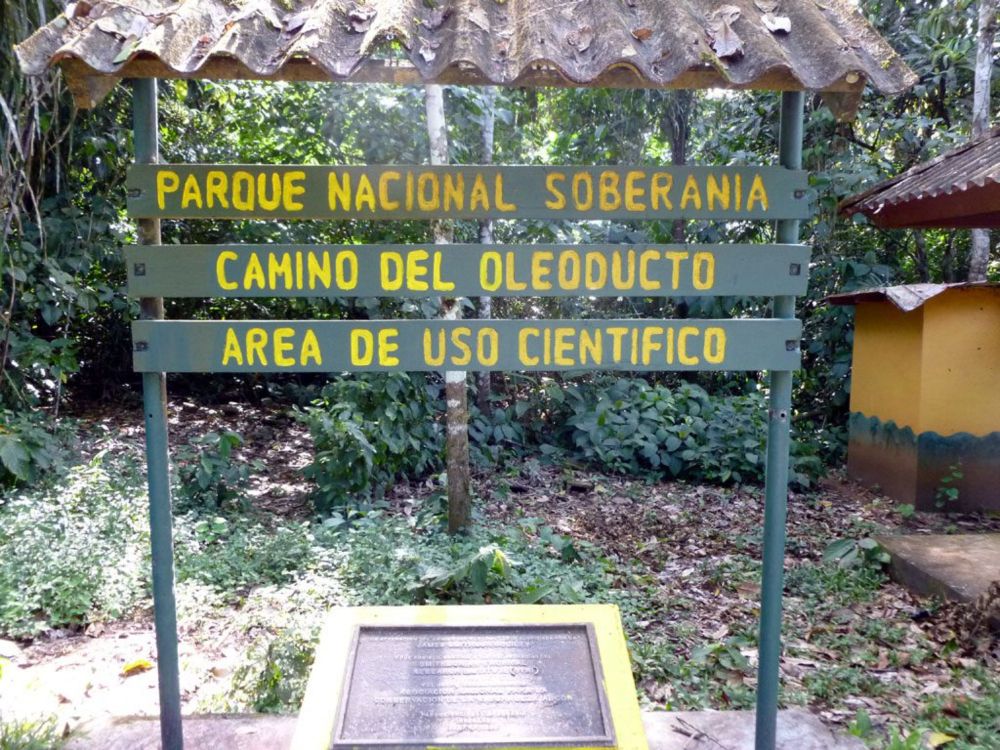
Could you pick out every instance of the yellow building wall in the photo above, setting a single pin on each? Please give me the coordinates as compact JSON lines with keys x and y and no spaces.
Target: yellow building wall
{"x":885,"y":379}
{"x":961,"y":363}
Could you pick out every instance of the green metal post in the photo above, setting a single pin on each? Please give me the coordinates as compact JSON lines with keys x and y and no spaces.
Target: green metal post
{"x":154,"y":398}
{"x":776,"y":481}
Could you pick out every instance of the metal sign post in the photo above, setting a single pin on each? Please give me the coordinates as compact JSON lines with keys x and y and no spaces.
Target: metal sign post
{"x":154,"y":399}
{"x":776,"y":476}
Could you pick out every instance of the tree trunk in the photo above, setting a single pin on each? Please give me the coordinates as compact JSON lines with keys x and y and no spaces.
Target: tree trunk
{"x":457,"y":415}
{"x":484,"y":385}
{"x":979,"y":255}
{"x":676,"y":125}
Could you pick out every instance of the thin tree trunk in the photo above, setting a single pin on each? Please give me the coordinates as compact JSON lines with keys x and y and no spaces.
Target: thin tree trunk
{"x":979,"y":255}
{"x":676,"y":125}
{"x":484,"y":385}
{"x":456,"y":397}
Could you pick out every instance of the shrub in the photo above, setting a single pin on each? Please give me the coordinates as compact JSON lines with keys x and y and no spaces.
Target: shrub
{"x":74,"y":552}
{"x":31,"y":445}
{"x":209,"y":477}
{"x":368,"y":431}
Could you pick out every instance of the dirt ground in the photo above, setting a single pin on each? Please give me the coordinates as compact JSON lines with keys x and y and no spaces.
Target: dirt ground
{"x":672,"y":529}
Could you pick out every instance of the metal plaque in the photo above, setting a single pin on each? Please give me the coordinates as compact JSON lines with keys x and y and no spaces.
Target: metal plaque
{"x":646,"y":270}
{"x":462,"y":686}
{"x":640,"y":192}
{"x":474,"y":345}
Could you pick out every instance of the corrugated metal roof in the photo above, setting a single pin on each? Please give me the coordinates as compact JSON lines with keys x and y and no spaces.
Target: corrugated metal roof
{"x":960,"y":188}
{"x":828,"y":47}
{"x":906,"y":297}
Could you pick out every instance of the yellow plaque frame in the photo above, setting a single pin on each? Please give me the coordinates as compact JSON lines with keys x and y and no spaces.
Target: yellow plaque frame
{"x":316,"y":723}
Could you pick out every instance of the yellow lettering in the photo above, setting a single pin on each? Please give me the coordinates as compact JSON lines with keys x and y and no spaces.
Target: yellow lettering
{"x":439,"y":283}
{"x":291,"y":188}
{"x":256,"y":341}
{"x":691,"y":194}
{"x":649,"y":345}
{"x":505,"y":207}
{"x":558,"y":200}
{"x":620,"y":280}
{"x":282,"y":346}
{"x":432,"y":201}
{"x":390,"y":175}
{"x":254,"y":274}
{"x":682,"y":337}
{"x":454,"y":192}
{"x":192,"y":192}
{"x":569,"y":270}
{"x":215,"y":188}
{"x":675,"y":257}
{"x":704,"y":270}
{"x":584,"y":180}
{"x":590,"y":346}
{"x":595,"y":270}
{"x":391,"y":270}
{"x":563,"y":347}
{"x":617,"y":333}
{"x":232,"y":349}
{"x":634,"y":192}
{"x":540,"y":272}
{"x":243,"y":191}
{"x":347,"y":270}
{"x":276,"y":268}
{"x":167,"y":181}
{"x":416,"y":270}
{"x":458,"y":337}
{"x":488,"y":339}
{"x":659,"y":190}
{"x":430,"y":358}
{"x":490,"y":271}
{"x":362,"y":347}
{"x":339,"y":191}
{"x":513,"y":284}
{"x":522,"y":346}
{"x":387,"y":345}
{"x":645,"y":258}
{"x":220,"y":269}
{"x":318,"y":269}
{"x":718,"y":194}
{"x":310,"y":349}
{"x":757,"y":193}
{"x":269,"y":203}
{"x":365,"y":194}
{"x":715,"y":345}
{"x":609,"y":199}
{"x":479,"y":198}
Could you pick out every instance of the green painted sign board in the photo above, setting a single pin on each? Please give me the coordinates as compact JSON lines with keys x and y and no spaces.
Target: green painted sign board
{"x":389,"y":345}
{"x":468,"y":270}
{"x":641,"y":192}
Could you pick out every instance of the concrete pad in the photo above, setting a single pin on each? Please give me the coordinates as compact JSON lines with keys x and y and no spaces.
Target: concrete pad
{"x":225,"y":732}
{"x":734,"y":730}
{"x":685,"y":730}
{"x":959,"y":567}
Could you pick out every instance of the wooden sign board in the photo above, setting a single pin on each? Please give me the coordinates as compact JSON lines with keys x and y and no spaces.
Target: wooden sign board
{"x":525,"y":676}
{"x":433,"y":345}
{"x":466,"y":270}
{"x":245,"y":191}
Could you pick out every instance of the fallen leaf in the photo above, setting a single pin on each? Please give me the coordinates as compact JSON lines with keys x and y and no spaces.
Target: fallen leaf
{"x":478,"y":17}
{"x":642,"y":34}
{"x":766,"y":6}
{"x":360,"y":18}
{"x":724,"y":40}
{"x":774,"y":24}
{"x":136,"y":666}
{"x":937,"y":739}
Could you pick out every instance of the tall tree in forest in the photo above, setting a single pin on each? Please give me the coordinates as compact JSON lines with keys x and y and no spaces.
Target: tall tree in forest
{"x":979,"y":255}
{"x":456,"y":397}
{"x":483,"y":383}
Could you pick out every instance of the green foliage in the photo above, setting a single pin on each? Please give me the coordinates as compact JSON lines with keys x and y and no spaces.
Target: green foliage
{"x":633,"y":427}
{"x":72,"y":552}
{"x":24,"y":734}
{"x":209,"y":476}
{"x":847,"y":553}
{"x":367,"y":431}
{"x":31,"y":446}
{"x":273,"y":678}
{"x":233,"y":554}
{"x":947,"y":493}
